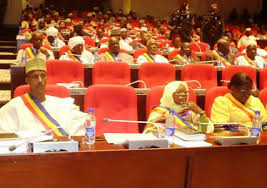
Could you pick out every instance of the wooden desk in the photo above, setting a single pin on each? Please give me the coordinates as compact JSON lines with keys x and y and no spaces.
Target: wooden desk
{"x":114,"y":166}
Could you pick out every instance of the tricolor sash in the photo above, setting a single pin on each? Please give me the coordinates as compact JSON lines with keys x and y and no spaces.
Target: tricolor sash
{"x":73,"y":57}
{"x":242,"y":107}
{"x":42,"y":115}
{"x":224,"y":60}
{"x":249,"y":61}
{"x":149,"y":57}
{"x":165,"y":111}
{"x":30,"y":53}
{"x":47,"y":43}
{"x":182,"y":59}
{"x":110,"y":57}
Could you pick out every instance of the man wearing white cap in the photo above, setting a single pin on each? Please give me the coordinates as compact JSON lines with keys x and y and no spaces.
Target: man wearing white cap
{"x":52,"y":39}
{"x":246,"y":39}
{"x":125,"y":41}
{"x":36,"y":112}
{"x":78,"y":52}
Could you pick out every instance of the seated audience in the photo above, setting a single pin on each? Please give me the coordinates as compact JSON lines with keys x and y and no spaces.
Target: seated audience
{"x":175,"y":97}
{"x":251,"y":58}
{"x":185,"y":56}
{"x":151,"y":54}
{"x":52,"y":39}
{"x":114,"y":53}
{"x":26,"y":113}
{"x":222,"y":55}
{"x":238,"y":105}
{"x":77,"y":51}
{"x":176,"y":41}
{"x":36,"y":50}
{"x":125,"y":41}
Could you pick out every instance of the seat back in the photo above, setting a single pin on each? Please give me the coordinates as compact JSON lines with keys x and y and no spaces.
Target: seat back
{"x":173,"y":54}
{"x":89,"y":41}
{"x":230,"y":71}
{"x":200,"y":46}
{"x":64,"y":71}
{"x":155,"y":94}
{"x":53,"y":90}
{"x":115,"y":102}
{"x":211,"y":94}
{"x":164,"y":43}
{"x":111,"y":73}
{"x":203,"y":56}
{"x":155,"y":74}
{"x":204,"y":73}
{"x":139,"y":52}
{"x":63,"y":50}
{"x":263,"y":96}
{"x":263,"y":78}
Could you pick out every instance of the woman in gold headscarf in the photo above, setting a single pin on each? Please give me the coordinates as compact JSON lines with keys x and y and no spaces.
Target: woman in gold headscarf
{"x":175,"y":97}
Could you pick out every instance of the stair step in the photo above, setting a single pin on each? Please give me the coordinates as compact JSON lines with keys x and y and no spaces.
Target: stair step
{"x":8,"y":48}
{"x":8,"y":43}
{"x":5,"y":96}
{"x":8,"y":55}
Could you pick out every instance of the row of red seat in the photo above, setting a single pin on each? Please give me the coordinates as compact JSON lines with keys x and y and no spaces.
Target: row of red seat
{"x":153,"y":74}
{"x":116,"y":101}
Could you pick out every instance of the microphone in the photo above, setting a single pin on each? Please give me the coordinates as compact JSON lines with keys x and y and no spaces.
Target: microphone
{"x":28,"y":140}
{"x":108,"y":120}
{"x":137,"y":81}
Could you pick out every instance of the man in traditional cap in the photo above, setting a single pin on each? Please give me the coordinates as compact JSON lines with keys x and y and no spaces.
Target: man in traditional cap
{"x":114,"y":53}
{"x":185,"y":56}
{"x":36,"y":112}
{"x":77,"y":51}
{"x":52,"y":39}
{"x":124,"y":41}
{"x":246,"y":39}
{"x":151,"y":54}
{"x":36,"y":50}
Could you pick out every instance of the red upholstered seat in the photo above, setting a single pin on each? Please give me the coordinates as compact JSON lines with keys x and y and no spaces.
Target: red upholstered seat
{"x":241,"y":48}
{"x":26,"y":45}
{"x":173,"y":54}
{"x":63,"y":49}
{"x":230,"y":71}
{"x":203,"y":56}
{"x":155,"y":94}
{"x":164,"y":43}
{"x":89,"y":41}
{"x":156,"y":74}
{"x":263,"y":78}
{"x":204,"y":73}
{"x":263,"y":96}
{"x":115,"y":102}
{"x":53,"y":90}
{"x":211,"y":94}
{"x":64,"y":71}
{"x":201,"y":47}
{"x":111,"y":73}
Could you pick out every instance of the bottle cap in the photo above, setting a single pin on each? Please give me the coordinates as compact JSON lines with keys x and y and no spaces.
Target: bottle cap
{"x":91,"y":110}
{"x":257,"y":112}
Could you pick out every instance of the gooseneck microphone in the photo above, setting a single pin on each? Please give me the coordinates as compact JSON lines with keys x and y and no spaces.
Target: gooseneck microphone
{"x":28,"y":140}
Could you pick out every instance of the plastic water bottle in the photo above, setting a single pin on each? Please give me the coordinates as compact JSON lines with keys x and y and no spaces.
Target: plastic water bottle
{"x":90,"y":127}
{"x":170,"y":127}
{"x":24,"y":58}
{"x":96,"y":57}
{"x":256,"y":126}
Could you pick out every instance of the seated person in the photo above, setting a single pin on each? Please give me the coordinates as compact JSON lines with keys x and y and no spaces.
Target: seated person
{"x":36,"y":50}
{"x":176,"y":41}
{"x":185,"y":56}
{"x":151,"y":54}
{"x":144,"y":37}
{"x":77,"y":51}
{"x":28,"y":32}
{"x":125,"y":41}
{"x":114,"y":54}
{"x":222,"y":54}
{"x":24,"y":113}
{"x":246,"y":39}
{"x":52,"y":39}
{"x":251,"y":58}
{"x":238,"y":105}
{"x":175,"y":97}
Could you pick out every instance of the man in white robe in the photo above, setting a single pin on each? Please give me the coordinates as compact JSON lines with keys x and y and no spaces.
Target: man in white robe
{"x":16,"y":117}
{"x":151,"y":55}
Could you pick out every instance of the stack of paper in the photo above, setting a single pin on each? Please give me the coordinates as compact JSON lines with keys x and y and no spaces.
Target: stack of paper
{"x":188,"y":133}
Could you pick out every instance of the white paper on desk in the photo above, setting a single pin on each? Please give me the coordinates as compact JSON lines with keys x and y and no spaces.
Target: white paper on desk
{"x":121,"y":138}
{"x":189,"y":144}
{"x":6,"y":143}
